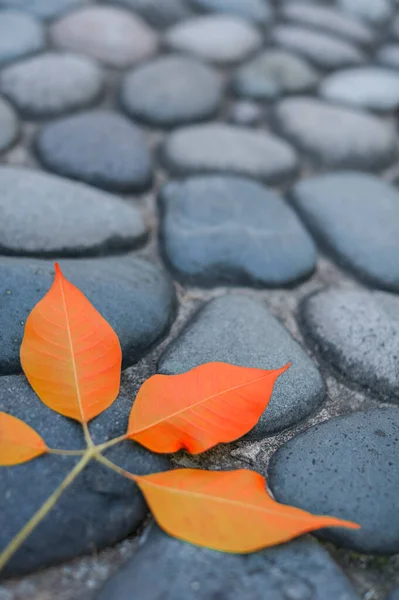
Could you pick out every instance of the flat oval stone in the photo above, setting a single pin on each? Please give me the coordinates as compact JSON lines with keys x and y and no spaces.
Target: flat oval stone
{"x":158,"y":14}
{"x":254,"y":10}
{"x":216,"y":38}
{"x":355,"y":216}
{"x":99,"y":147}
{"x":51,"y":84}
{"x":245,"y":113}
{"x":46,"y":9}
{"x":388,"y":55}
{"x":376,"y":12}
{"x":241,"y":331}
{"x":346,"y":467}
{"x":232,"y":230}
{"x":115,"y":36}
{"x":20,"y":35}
{"x":9,"y":126}
{"x":97,"y":510}
{"x":336,"y":136}
{"x":172,"y":90}
{"x":228,"y":149}
{"x":133,"y":295}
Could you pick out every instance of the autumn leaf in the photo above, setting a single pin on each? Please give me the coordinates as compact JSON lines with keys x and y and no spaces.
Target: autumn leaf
{"x":229,"y":511}
{"x":211,"y":404}
{"x":70,"y":354}
{"x":18,"y":442}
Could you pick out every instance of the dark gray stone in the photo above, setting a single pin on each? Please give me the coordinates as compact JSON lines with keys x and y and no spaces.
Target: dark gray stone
{"x":245,"y":113}
{"x":99,"y":147}
{"x":335,"y":136}
{"x":301,"y":570}
{"x":346,"y":467}
{"x":20,"y":35}
{"x":220,"y":148}
{"x":45,"y":215}
{"x":172,"y":90}
{"x":253,"y":10}
{"x":388,"y":55}
{"x":394,"y":594}
{"x":355,"y":216}
{"x":134,"y":296}
{"x":377,"y":12}
{"x":225,"y":229}
{"x":97,"y":510}
{"x":156,"y":13}
{"x":241,"y":331}
{"x":9,"y":126}
{"x":46,"y":9}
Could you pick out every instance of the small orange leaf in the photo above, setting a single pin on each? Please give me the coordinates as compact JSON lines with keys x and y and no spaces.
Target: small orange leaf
{"x":18,"y":442}
{"x":209,"y":405}
{"x":229,"y":511}
{"x":70,"y":354}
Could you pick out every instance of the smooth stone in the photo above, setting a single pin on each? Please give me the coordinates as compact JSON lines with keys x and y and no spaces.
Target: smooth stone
{"x":272,"y":74}
{"x":245,"y":113}
{"x":253,"y":10}
{"x":323,"y":50}
{"x":97,"y":510}
{"x":52,"y":84}
{"x":9,"y":126}
{"x":358,"y":333}
{"x":99,"y":147}
{"x":371,"y":88}
{"x":300,"y":570}
{"x":394,"y":595}
{"x":355,"y":216}
{"x":377,"y":12}
{"x":335,"y":136}
{"x":227,"y":149}
{"x":114,"y":36}
{"x":45,"y":9}
{"x":388,"y":55}
{"x":133,"y":295}
{"x":225,"y":229}
{"x":172,"y":90}
{"x":216,"y":38}
{"x":20,"y":35}
{"x":158,"y":14}
{"x":241,"y":331}
{"x":45,"y":215}
{"x":345,"y":467}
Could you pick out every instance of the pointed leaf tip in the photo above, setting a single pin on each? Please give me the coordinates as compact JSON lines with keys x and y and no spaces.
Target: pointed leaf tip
{"x":19,"y":443}
{"x":57,"y":269}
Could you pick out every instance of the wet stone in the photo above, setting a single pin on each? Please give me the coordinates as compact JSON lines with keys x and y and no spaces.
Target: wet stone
{"x":335,"y":136}
{"x":377,"y":12}
{"x":46,"y":9}
{"x":228,"y":149}
{"x":9,"y":126}
{"x":172,"y":90}
{"x":241,"y":331}
{"x":225,"y":229}
{"x":134,"y":296}
{"x":245,"y":113}
{"x":52,"y":84}
{"x":388,"y":55}
{"x":345,"y":467}
{"x":20,"y":35}
{"x":158,"y":14}
{"x":253,"y":10}
{"x":99,"y":147}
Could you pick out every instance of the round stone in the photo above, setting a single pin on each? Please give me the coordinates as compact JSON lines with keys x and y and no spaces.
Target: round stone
{"x":99,"y":147}
{"x":228,"y":229}
{"x":115,"y":36}
{"x":245,"y":113}
{"x":20,"y":35}
{"x":254,"y":10}
{"x":241,"y":331}
{"x":377,"y":12}
{"x":52,"y":84}
{"x":388,"y":55}
{"x":336,"y":136}
{"x":158,"y":14}
{"x":216,"y":38}
{"x":44,"y":215}
{"x":272,"y":74}
{"x":9,"y":126}
{"x":46,"y":9}
{"x":172,"y":90}
{"x":345,"y":467}
{"x":228,"y":149}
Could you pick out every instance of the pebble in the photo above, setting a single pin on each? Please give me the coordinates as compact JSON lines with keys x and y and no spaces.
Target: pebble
{"x":158,"y":14}
{"x":52,"y":84}
{"x":335,"y":136}
{"x":9,"y":126}
{"x":20,"y":35}
{"x":345,"y":467}
{"x":355,"y":216}
{"x":377,"y":12}
{"x":133,"y":295}
{"x":226,"y":229}
{"x":218,"y":147}
{"x":114,"y":36}
{"x":253,"y":10}
{"x":241,"y":331}
{"x":300,"y":570}
{"x":393,"y":596}
{"x":245,"y":113}
{"x":388,"y":55}
{"x":45,"y":9}
{"x":274,"y":73}
{"x":195,"y":94}
{"x":222,"y":39}
{"x":99,"y":147}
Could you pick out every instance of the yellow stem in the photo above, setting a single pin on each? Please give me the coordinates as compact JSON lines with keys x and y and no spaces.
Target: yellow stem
{"x":115,"y":467}
{"x":66,"y":452}
{"x":106,"y":445}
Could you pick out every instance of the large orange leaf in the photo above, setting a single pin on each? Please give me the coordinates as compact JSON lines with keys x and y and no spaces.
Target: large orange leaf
{"x":70,"y":354}
{"x":18,"y":442}
{"x":210,"y":404}
{"x":229,"y":511}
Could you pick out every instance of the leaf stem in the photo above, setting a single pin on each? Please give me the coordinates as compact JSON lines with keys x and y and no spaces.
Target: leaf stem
{"x":106,"y":445}
{"x":66,"y":452}
{"x":115,"y":467}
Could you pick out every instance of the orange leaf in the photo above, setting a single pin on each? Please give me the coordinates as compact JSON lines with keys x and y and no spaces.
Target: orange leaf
{"x":210,"y":404}
{"x":70,"y":354}
{"x":18,"y":442}
{"x":229,"y":511}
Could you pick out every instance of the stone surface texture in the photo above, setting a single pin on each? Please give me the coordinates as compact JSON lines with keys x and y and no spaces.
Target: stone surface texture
{"x":20,"y":35}
{"x":9,"y":126}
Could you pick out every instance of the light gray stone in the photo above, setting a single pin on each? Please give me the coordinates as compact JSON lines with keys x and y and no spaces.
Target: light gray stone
{"x":376,"y":12}
{"x":158,"y":14}
{"x":46,"y":9}
{"x":20,"y":35}
{"x":254,"y":10}
{"x":388,"y":55}
{"x":9,"y":126}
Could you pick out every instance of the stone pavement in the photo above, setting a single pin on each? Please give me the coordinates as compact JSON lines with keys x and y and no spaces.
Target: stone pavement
{"x":220,"y":178}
